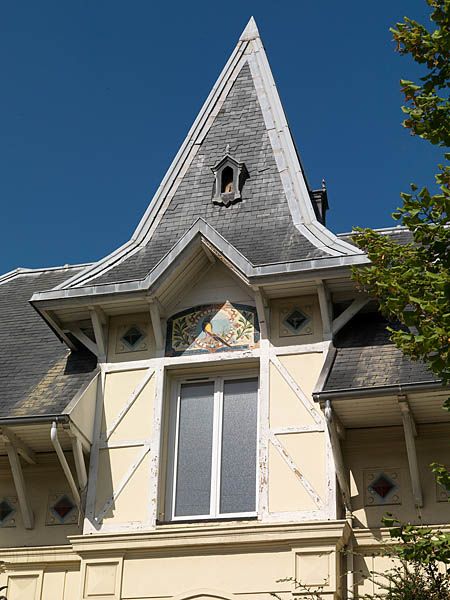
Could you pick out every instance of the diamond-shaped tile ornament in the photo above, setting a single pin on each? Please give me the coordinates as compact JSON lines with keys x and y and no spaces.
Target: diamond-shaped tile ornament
{"x":8,"y":508}
{"x":382,"y":487}
{"x":295,"y":320}
{"x":61,"y":510}
{"x":6,"y":511}
{"x":132,"y":337}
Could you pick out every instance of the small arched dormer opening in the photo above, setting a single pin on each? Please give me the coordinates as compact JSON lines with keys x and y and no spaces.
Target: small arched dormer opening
{"x":227,"y":186}
{"x":229,"y":180}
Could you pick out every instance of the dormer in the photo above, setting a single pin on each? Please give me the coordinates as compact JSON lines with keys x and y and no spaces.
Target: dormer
{"x":229,"y":179}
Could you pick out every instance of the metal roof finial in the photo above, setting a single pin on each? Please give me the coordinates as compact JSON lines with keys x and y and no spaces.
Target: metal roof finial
{"x":227,"y":149}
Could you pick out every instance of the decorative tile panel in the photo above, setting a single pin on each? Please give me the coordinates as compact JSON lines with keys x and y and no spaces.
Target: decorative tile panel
{"x":61,"y":509}
{"x":295,"y":320}
{"x":132,"y":337}
{"x":212,"y":328}
{"x":8,"y":511}
{"x":382,"y":487}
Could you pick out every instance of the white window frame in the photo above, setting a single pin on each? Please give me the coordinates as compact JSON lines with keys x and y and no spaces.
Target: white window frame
{"x":174,"y":413}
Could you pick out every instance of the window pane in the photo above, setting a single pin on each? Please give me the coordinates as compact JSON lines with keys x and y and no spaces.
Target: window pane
{"x":193,"y":480}
{"x":239,"y":431}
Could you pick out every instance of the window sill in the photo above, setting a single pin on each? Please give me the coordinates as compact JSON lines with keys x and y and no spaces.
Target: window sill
{"x":202,"y":520}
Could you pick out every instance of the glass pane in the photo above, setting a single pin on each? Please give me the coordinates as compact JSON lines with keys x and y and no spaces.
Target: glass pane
{"x":239,"y":432}
{"x":193,"y":479}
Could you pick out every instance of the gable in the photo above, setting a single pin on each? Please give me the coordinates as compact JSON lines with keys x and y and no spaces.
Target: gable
{"x":215,"y":285}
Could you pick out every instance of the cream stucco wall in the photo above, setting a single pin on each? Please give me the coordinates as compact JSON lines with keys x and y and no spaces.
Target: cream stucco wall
{"x":120,"y":489}
{"x":384,"y":449}
{"x":301,"y":477}
{"x":43,"y":481}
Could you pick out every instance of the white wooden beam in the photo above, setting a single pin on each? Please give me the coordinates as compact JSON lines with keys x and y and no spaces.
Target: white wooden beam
{"x":156,"y":324}
{"x":64,"y":464}
{"x":19,"y":484}
{"x":325,"y":310}
{"x":264,"y":431}
{"x":262,"y":309}
{"x":78,"y":456}
{"x":23,"y":449}
{"x":100,"y":338}
{"x":410,"y":431}
{"x":338,"y":457}
{"x":53,"y":321}
{"x":85,"y":340}
{"x":358,"y":303}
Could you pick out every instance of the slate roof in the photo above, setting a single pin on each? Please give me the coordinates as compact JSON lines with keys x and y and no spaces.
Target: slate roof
{"x":366,"y":358}
{"x":400,"y":235}
{"x":38,"y":374}
{"x":260,"y":226}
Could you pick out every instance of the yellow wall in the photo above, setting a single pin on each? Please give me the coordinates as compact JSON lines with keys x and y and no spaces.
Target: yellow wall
{"x":43,"y":480}
{"x":384,"y":449}
{"x":299,"y":476}
{"x":122,"y":451}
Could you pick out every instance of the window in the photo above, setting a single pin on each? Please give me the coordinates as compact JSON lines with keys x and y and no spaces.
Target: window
{"x":213,"y":449}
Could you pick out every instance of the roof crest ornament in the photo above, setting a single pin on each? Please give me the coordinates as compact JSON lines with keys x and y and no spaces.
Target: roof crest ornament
{"x":250,"y":32}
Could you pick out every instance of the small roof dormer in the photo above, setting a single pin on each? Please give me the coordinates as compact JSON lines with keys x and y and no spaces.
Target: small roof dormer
{"x":230,"y":175}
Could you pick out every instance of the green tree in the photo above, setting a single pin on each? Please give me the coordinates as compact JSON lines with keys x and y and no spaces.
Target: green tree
{"x":412,"y":281}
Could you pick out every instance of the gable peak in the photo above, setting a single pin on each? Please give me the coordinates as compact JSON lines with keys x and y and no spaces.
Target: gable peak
{"x":250,"y":32}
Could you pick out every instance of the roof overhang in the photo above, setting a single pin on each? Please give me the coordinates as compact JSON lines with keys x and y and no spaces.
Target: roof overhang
{"x":76,"y":421}
{"x":201,"y":231}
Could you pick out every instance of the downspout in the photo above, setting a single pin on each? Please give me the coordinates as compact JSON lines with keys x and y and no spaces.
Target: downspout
{"x":64,"y":464}
{"x":350,"y":563}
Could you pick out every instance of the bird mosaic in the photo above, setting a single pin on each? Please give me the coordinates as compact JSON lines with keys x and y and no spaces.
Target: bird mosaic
{"x":212,"y":328}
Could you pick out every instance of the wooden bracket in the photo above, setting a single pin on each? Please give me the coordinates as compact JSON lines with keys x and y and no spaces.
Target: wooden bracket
{"x":262,"y":308}
{"x":358,"y":303}
{"x":410,"y":430}
{"x":98,"y":318}
{"x":85,"y":340}
{"x":156,"y":323}
{"x":325,"y":309}
{"x":338,"y":457}
{"x":23,"y":449}
{"x":19,"y":484}
{"x":53,"y":321}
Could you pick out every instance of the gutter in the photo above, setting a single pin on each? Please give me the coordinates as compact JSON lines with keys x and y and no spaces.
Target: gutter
{"x":34,"y":420}
{"x":367,"y":392}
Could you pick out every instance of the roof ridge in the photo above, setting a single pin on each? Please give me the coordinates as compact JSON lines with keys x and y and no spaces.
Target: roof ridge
{"x":380,"y":229}
{"x":29,"y":270}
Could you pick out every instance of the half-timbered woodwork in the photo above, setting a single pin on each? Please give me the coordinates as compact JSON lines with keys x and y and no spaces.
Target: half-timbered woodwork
{"x":212,"y":410}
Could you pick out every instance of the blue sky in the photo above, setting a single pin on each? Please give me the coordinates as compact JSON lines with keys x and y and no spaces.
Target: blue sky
{"x":97,"y":96}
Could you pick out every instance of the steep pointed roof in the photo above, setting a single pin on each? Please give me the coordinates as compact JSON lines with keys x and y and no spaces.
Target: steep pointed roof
{"x":273,"y":223}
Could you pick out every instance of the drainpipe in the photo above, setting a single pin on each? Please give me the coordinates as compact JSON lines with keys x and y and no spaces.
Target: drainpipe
{"x":350,"y":563}
{"x":64,"y":464}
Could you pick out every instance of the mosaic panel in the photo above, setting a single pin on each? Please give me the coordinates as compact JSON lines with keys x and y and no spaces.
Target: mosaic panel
{"x":212,"y":328}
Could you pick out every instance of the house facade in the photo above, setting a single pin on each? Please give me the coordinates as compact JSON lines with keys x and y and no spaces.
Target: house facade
{"x":213,"y":410}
